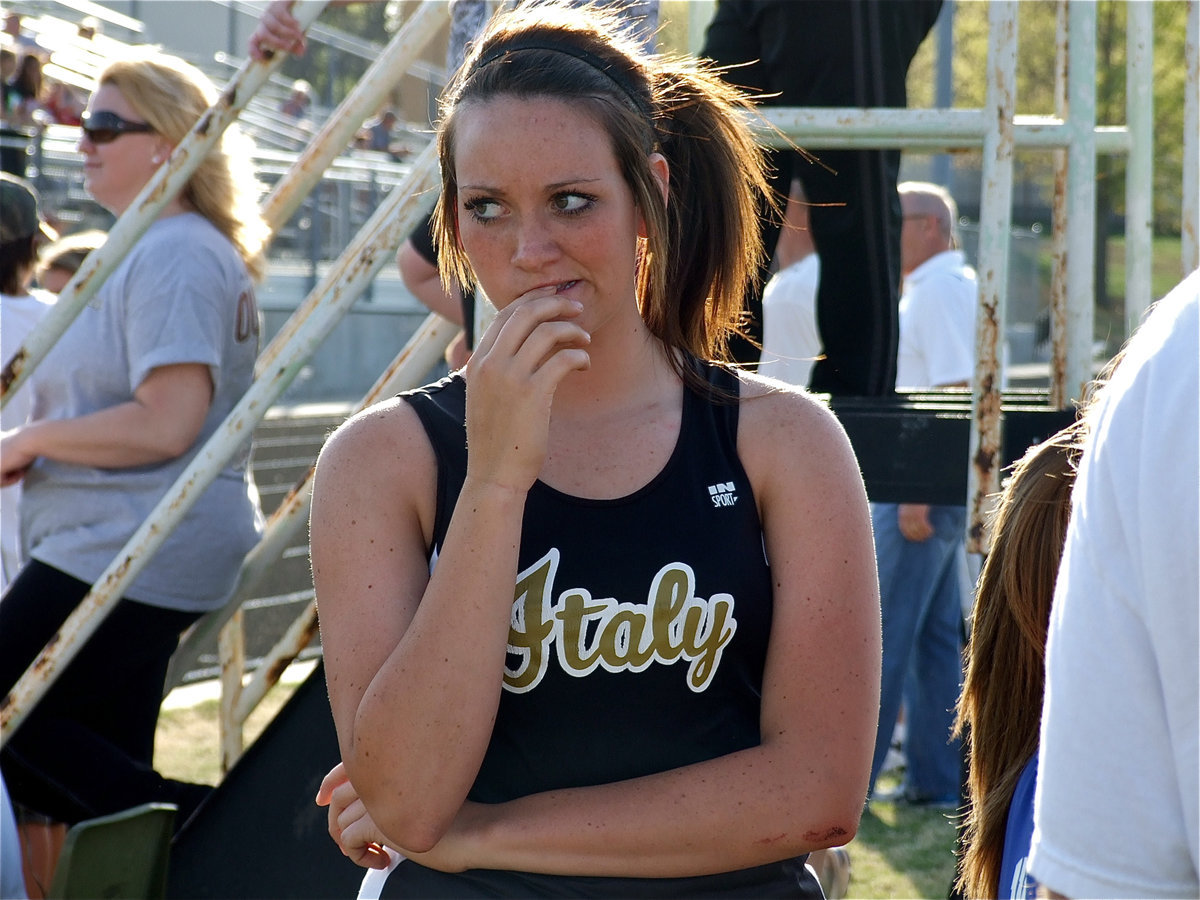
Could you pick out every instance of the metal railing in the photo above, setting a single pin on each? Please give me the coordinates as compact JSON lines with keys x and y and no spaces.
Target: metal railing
{"x":279,"y":364}
{"x":164,"y":185}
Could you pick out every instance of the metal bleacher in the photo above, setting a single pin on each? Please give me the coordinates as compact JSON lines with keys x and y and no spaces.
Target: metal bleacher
{"x":285,"y":446}
{"x":288,"y":439}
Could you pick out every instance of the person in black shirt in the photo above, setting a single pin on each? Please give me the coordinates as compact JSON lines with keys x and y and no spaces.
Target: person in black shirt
{"x":841,"y":53}
{"x":599,"y":612}
{"x":417,"y":260}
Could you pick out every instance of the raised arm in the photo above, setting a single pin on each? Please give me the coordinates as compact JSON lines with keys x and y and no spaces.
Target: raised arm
{"x":277,"y":30}
{"x":423,"y":281}
{"x":415,"y":661}
{"x":804,"y":786}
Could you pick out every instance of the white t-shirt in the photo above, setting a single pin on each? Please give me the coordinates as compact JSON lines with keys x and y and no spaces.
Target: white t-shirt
{"x":1115,"y":812}
{"x":791,"y":341}
{"x":937,"y":323}
{"x":18,"y":316}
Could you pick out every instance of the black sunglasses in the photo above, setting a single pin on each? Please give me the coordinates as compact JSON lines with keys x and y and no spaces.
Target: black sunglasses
{"x":104,"y":127}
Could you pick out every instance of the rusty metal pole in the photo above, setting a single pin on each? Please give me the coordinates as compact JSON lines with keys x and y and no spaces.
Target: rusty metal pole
{"x":1058,"y":243}
{"x":165,"y":184}
{"x":357,"y":266}
{"x":232,"y":650}
{"x":1190,"y":223}
{"x":419,"y":355}
{"x":995,"y":219}
{"x":1139,"y":169}
{"x":1081,"y":199}
{"x":341,"y":126}
{"x":298,"y":636}
{"x":423,"y":349}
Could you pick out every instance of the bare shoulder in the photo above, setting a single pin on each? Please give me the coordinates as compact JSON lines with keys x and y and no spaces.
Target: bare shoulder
{"x":792,"y":446}
{"x":385,"y":435}
{"x":776,"y":417}
{"x":379,"y":456}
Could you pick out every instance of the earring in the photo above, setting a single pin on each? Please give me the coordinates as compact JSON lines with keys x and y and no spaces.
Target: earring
{"x":157,"y":160}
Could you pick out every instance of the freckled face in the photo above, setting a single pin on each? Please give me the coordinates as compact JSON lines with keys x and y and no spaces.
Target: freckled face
{"x":114,"y":173}
{"x":542,"y":203}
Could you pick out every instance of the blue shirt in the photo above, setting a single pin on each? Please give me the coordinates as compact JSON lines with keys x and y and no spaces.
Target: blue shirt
{"x":1015,"y":881}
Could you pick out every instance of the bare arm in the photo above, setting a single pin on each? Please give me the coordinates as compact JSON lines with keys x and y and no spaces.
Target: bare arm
{"x":803,"y":788}
{"x":407,"y":680}
{"x":161,"y":422}
{"x":423,"y":281}
{"x":278,"y":30}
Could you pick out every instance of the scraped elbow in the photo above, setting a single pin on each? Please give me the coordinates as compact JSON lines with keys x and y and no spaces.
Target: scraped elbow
{"x":836,"y":832}
{"x":838,"y":835}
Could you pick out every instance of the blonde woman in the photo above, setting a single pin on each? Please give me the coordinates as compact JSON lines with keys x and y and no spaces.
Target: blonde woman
{"x":121,"y":405}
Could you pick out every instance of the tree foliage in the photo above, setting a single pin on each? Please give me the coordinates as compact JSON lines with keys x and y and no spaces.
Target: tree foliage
{"x":333,"y":74}
{"x":1035,"y":90}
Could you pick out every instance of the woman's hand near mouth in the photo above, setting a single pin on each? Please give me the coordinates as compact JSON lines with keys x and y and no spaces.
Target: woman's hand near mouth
{"x":530,"y":347}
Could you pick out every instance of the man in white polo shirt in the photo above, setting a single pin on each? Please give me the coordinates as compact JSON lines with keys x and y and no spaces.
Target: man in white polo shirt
{"x":919,"y":547}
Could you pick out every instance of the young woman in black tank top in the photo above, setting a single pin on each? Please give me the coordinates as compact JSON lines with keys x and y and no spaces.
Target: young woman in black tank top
{"x":599,"y":613}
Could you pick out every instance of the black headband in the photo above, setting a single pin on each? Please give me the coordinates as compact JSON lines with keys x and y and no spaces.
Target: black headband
{"x":614,"y":74}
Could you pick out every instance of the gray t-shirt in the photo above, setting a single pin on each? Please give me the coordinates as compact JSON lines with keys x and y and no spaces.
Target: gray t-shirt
{"x":182,"y":295}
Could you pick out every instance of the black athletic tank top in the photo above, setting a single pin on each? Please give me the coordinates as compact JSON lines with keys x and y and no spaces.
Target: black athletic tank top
{"x":640,"y":629}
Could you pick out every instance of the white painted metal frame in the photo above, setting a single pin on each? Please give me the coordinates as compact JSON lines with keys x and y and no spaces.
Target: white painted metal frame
{"x":1190,"y":226}
{"x":1079,"y":327}
{"x":166,"y":183}
{"x":412,"y":364}
{"x":346,"y":279}
{"x":1139,"y":202}
{"x":403,"y":48}
{"x":997,"y":130}
{"x":995,"y":225}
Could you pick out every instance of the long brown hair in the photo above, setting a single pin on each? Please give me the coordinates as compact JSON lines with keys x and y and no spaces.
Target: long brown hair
{"x":1001,"y":699}
{"x":702,"y":247}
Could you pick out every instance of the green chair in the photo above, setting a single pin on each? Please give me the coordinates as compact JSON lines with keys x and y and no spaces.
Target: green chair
{"x":119,"y":856}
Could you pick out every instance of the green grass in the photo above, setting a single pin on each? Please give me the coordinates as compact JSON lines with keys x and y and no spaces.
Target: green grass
{"x":902,"y":851}
{"x":187,"y":743}
{"x":899,"y":851}
{"x":1109,"y":322}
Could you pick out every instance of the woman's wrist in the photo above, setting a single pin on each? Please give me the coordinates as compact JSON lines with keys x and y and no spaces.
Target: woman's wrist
{"x":482,"y":490}
{"x":25,"y":440}
{"x":474,"y":829}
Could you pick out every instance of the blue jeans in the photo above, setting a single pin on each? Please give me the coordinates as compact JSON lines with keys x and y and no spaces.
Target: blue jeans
{"x":920,"y":587}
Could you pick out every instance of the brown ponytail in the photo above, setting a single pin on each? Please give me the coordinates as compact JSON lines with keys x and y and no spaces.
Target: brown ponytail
{"x":703,"y":247}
